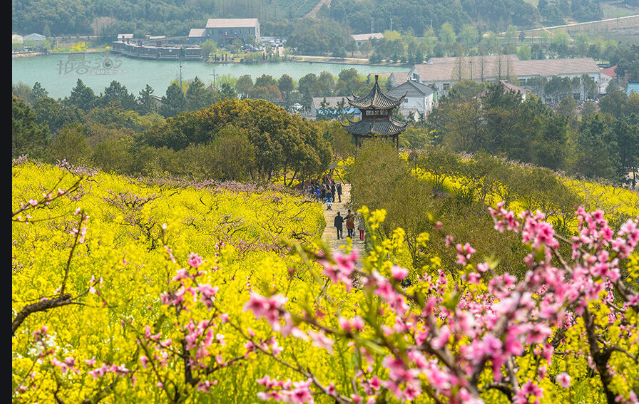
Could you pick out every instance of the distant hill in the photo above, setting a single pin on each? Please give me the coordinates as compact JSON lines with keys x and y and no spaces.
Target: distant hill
{"x":177,"y":17}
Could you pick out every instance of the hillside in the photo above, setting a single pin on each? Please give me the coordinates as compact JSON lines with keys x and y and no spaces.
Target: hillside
{"x":177,"y":17}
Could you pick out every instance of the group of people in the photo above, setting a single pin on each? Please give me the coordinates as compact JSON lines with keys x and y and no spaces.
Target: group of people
{"x":326,"y":191}
{"x":349,"y":220}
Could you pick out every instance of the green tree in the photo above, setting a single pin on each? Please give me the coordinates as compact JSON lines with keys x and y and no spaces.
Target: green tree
{"x":229,"y":144}
{"x":561,"y":38}
{"x":469,"y":35}
{"x":567,"y":107}
{"x":626,"y":130}
{"x":511,"y":34}
{"x":524,"y":52}
{"x":54,"y":115}
{"x":595,"y":153}
{"x":447,"y":34}
{"x":82,"y":97}
{"x":27,"y":136}
{"x":265,"y":80}
{"x":286,"y":85}
{"x":38,"y":92}
{"x":173,"y":102}
{"x":197,"y":96}
{"x":226,"y":91}
{"x":589,"y":107}
{"x":465,"y":90}
{"x":366,"y":48}
{"x":550,"y":143}
{"x":117,"y":93}
{"x":614,"y":103}
{"x":146,"y":103}
{"x":209,"y":48}
{"x":244,"y":84}
{"x":71,"y":145}
{"x":113,"y":155}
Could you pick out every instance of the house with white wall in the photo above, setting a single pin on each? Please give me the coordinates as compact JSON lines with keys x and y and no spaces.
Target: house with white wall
{"x":361,"y":38}
{"x":443,"y":73}
{"x":418,"y":97}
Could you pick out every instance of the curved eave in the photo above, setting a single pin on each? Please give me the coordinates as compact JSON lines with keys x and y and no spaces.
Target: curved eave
{"x":386,"y":128}
{"x":375,"y":99}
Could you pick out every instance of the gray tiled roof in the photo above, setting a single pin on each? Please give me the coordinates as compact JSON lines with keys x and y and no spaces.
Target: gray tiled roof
{"x":411,"y":88}
{"x":399,"y":77}
{"x":197,"y":33}
{"x":486,"y":67}
{"x":231,"y":22}
{"x":365,"y":37}
{"x":375,"y":99}
{"x":555,"y":67}
{"x":386,"y":127}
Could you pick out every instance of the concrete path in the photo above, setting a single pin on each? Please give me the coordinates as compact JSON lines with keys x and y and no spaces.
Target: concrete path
{"x":330,"y":233}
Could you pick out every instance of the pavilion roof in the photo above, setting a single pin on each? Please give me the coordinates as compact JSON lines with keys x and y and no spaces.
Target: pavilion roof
{"x":376,"y":99}
{"x":385,"y":127}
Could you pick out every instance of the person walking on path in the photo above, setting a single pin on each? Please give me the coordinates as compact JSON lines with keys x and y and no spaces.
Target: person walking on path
{"x":339,"y":191}
{"x":339,"y":220}
{"x":350,"y":224}
{"x":361,"y":226}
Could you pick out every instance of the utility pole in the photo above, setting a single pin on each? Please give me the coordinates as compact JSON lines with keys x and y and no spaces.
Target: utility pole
{"x":391,"y":25}
{"x":180,"y":74}
{"x":214,"y":75}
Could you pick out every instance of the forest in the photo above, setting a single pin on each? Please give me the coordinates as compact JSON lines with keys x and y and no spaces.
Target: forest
{"x":279,"y":17}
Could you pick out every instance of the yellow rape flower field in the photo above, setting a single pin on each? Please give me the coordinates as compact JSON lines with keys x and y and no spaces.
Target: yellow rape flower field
{"x":103,"y":249}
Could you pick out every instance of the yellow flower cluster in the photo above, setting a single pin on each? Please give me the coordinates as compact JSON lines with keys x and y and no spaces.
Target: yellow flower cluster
{"x":116,"y":276}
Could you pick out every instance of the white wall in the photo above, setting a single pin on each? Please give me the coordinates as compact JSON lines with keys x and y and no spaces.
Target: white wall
{"x":422,"y":104}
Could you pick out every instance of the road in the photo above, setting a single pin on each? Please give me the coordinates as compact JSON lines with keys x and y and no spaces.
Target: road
{"x":330,"y":234}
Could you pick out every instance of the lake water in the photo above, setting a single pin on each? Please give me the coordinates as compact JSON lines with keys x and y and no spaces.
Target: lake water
{"x":58,"y":74}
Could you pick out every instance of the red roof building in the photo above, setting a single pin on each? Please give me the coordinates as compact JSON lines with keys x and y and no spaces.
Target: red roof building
{"x":610,"y":71}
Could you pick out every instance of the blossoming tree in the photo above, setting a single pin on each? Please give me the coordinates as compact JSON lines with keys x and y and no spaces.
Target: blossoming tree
{"x":328,"y":327}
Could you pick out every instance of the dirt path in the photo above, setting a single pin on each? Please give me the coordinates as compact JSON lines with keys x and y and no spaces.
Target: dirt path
{"x":316,"y":9}
{"x":330,"y":233}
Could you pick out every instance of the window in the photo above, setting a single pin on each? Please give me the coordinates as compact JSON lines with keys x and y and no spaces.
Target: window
{"x":446,"y":86}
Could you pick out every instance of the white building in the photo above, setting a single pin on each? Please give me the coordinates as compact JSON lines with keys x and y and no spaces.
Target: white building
{"x":549,"y":68}
{"x":197,"y":35}
{"x":443,"y":73}
{"x":361,"y":38}
{"x":418,"y":97}
{"x":37,"y":39}
{"x":226,"y":30}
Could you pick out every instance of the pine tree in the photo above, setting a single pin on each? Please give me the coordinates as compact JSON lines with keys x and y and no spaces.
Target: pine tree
{"x":82,"y":97}
{"x":146,"y":103}
{"x":173,"y":102}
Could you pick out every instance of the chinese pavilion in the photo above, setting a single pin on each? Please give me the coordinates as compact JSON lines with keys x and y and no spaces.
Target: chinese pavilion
{"x":377,"y":116}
